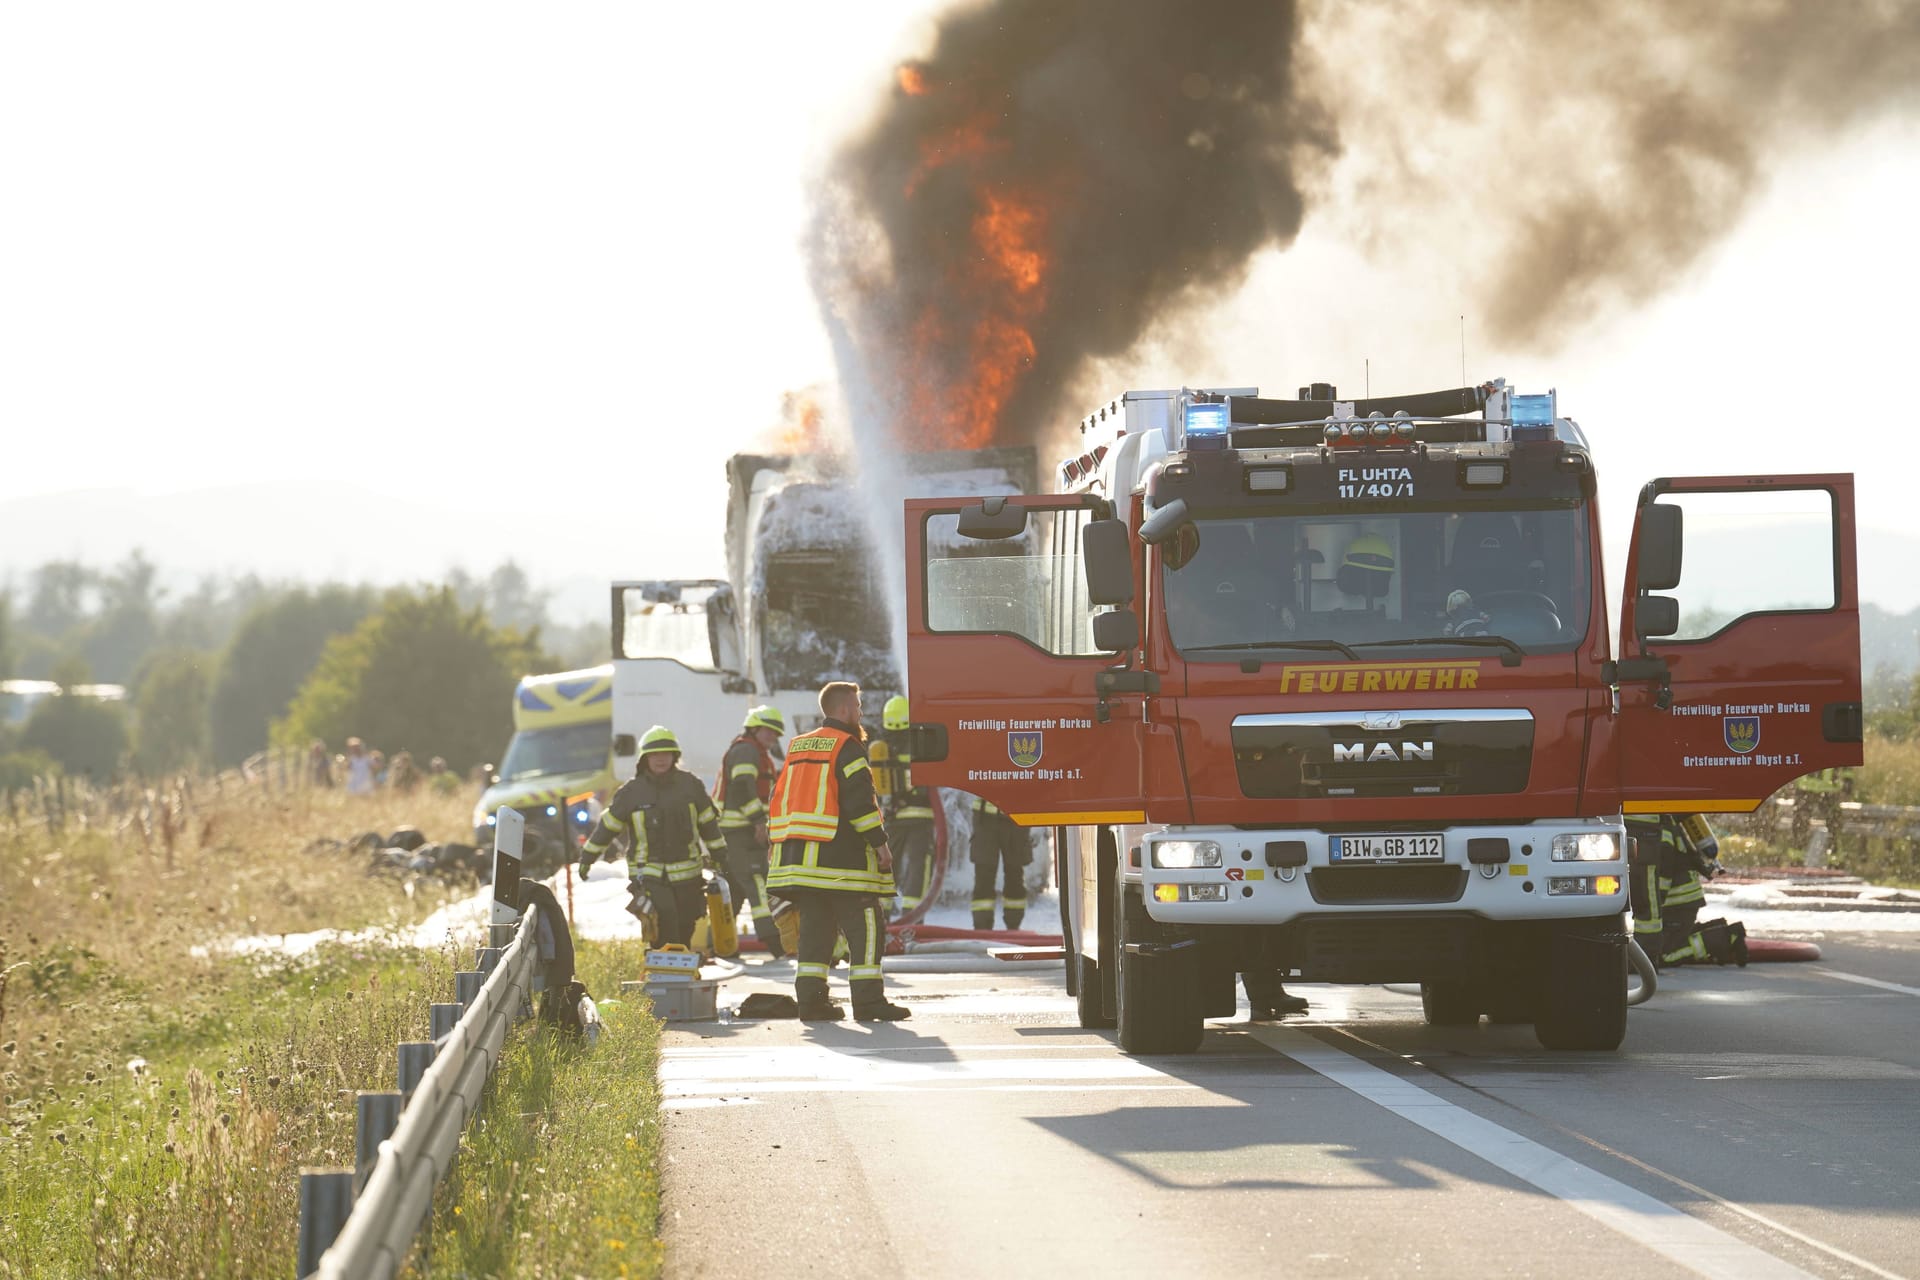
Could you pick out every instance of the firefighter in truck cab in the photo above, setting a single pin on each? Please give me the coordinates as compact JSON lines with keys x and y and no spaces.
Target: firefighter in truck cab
{"x":831,"y":859}
{"x":672,"y":829}
{"x":745,"y":784}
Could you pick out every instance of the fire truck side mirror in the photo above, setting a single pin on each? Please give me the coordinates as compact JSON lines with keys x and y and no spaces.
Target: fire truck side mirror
{"x":991,"y":520}
{"x":1108,"y":558}
{"x":1164,"y":522}
{"x":1659,"y":550}
{"x":1655,"y":616}
{"x":1116,"y":632}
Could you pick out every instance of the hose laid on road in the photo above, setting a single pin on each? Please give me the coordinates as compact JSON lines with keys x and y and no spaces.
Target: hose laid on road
{"x":1642,"y":966}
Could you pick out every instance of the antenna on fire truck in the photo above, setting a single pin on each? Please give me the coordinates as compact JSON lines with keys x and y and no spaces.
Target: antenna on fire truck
{"x":1463,"y":351}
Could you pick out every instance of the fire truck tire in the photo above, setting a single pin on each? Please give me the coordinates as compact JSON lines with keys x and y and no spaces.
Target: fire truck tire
{"x":1452,"y":1003}
{"x":1086,"y":1000}
{"x":1157,"y":997}
{"x":1067,"y":940}
{"x":1585,"y":1007}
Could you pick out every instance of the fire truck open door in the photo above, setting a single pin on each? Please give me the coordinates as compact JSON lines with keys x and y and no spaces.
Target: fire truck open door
{"x":1011,"y":700}
{"x":1740,"y":641}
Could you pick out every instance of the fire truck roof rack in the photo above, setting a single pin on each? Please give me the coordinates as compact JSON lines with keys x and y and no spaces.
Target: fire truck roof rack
{"x":1490,"y":413}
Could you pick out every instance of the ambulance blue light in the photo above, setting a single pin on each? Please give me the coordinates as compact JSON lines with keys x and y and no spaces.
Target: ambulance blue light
{"x":1207,"y":426}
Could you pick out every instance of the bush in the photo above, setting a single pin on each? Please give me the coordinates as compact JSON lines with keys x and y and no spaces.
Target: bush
{"x":85,"y":735}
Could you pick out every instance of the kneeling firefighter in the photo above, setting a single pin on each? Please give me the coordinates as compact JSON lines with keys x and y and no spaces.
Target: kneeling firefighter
{"x":743,"y":789}
{"x":909,"y":808}
{"x":831,"y":858}
{"x":672,"y":829}
{"x":1670,"y":855}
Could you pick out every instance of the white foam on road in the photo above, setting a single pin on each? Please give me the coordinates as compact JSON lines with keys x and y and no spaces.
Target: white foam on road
{"x":1696,"y":1245}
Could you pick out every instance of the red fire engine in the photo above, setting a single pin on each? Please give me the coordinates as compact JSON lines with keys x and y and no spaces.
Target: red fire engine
{"x":1324,"y":689}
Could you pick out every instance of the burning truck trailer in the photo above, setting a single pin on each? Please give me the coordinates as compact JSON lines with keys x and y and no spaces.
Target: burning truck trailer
{"x":807,"y":599}
{"x":1324,"y":690}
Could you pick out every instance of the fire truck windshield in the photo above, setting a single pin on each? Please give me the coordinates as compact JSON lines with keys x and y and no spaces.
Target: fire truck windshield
{"x":1333,"y":579}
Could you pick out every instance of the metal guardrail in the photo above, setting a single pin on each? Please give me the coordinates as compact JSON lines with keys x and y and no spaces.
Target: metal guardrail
{"x":370,"y":1234}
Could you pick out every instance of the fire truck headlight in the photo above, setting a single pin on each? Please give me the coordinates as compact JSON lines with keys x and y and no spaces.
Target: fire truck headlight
{"x":1585,"y":846}
{"x":492,"y":819}
{"x":551,"y":811}
{"x":1186,"y":854}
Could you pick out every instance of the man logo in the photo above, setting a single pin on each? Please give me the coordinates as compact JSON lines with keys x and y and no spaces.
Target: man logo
{"x":1742,"y":733}
{"x":1379,"y":752}
{"x":1025,"y":749}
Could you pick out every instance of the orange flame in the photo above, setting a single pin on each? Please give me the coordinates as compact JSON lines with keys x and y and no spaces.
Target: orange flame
{"x":912,"y":80}
{"x":964,"y":381}
{"x":801,"y":425}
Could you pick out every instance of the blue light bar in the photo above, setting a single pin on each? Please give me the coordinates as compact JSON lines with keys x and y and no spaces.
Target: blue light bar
{"x":1532,"y":417}
{"x":1207,"y":426}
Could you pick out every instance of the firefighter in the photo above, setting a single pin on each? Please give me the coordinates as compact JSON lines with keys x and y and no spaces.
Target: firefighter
{"x":831,"y":859}
{"x":672,"y":829}
{"x":909,"y":809}
{"x":1818,"y":795}
{"x":745,"y":783}
{"x":1670,"y":856}
{"x":1366,"y":570}
{"x":999,"y":844}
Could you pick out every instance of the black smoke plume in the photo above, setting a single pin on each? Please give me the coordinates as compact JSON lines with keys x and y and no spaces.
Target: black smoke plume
{"x":1054,"y":179}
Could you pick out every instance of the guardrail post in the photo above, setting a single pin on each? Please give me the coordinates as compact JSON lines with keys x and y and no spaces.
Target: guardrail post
{"x":467,"y":984}
{"x":375,"y":1117}
{"x":415,"y":1057}
{"x":326,"y":1197}
{"x":441,"y":1019}
{"x":489,"y":959}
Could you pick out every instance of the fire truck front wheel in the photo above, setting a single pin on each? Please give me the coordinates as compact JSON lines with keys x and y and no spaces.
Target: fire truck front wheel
{"x":1157,"y":991}
{"x":1584,"y":1005}
{"x":1450,"y":1003}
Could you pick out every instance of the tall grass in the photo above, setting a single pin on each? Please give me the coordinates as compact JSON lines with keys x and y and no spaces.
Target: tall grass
{"x":160,"y":1099}
{"x":558,"y":1176}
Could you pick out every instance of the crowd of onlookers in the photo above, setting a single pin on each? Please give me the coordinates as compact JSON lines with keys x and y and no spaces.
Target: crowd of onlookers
{"x":362,"y":771}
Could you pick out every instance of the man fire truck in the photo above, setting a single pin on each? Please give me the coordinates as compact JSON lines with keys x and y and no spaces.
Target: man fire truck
{"x":1325,"y":689}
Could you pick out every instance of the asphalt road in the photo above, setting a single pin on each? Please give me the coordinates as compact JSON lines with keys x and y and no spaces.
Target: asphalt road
{"x":1763,"y":1122}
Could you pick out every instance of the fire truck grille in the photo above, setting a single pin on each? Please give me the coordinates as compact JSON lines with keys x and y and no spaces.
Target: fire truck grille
{"x":1374,"y":754}
{"x":1386,"y":886}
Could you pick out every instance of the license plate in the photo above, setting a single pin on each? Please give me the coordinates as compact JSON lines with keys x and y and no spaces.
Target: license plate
{"x":1394,"y":847}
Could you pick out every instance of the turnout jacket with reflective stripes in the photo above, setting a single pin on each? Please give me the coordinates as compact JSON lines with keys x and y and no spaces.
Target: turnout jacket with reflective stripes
{"x":907,"y":802}
{"x":824,"y":818}
{"x":668,"y":818}
{"x":746,"y":782}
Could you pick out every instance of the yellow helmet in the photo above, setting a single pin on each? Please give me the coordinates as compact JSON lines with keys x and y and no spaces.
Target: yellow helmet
{"x":894,"y":715}
{"x":1369,"y":551}
{"x":658,"y":739}
{"x":766,"y":717}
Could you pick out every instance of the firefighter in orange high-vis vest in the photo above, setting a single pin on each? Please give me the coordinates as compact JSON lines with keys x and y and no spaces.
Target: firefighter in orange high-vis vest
{"x":744,"y":787}
{"x":831,"y":858}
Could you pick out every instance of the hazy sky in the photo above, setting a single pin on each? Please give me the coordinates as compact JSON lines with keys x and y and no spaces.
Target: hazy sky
{"x":546,"y":262}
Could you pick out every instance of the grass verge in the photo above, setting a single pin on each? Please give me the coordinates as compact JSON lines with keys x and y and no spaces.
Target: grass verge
{"x":558,"y":1176}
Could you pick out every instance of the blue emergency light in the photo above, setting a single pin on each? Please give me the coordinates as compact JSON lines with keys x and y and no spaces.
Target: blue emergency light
{"x":1532,"y":417}
{"x":1207,"y":426}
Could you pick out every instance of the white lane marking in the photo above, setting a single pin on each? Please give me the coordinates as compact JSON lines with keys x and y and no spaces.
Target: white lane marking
{"x":1659,"y":1226}
{"x":1870,"y":982}
{"x":1106,"y":1046}
{"x":801,"y":1067}
{"x":742,"y":1091}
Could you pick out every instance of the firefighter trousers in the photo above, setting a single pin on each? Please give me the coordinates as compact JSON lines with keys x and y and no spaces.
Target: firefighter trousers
{"x":1000,"y":848}
{"x":825,"y":916}
{"x":677,"y":906}
{"x":911,"y":840}
{"x":747,"y":877}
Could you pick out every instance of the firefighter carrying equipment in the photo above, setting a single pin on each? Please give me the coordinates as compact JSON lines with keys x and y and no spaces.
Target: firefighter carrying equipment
{"x":1000,"y":848}
{"x":824,"y":821}
{"x":669,"y":821}
{"x":744,"y":786}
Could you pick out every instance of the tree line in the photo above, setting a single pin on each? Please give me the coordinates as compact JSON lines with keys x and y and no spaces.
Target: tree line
{"x":215,"y":674}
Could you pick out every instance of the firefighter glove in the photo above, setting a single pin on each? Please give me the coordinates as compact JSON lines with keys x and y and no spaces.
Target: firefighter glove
{"x":586,"y":865}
